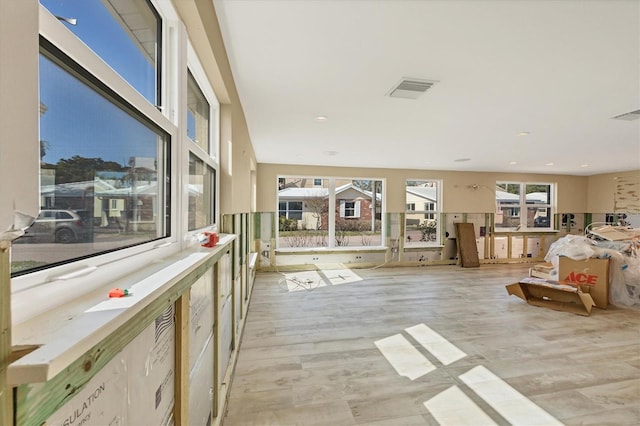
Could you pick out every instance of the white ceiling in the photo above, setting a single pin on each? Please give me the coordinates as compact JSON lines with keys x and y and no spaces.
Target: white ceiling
{"x":557,"y":69}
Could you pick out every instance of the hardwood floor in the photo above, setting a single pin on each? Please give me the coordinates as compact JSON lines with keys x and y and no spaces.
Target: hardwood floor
{"x":471,"y":354}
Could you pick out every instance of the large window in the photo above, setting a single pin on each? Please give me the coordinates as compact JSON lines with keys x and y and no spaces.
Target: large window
{"x":202,"y":140}
{"x":127,"y":168}
{"x":103,"y":171}
{"x":125,"y":34}
{"x":329,"y":212}
{"x":105,"y":142}
{"x":524,"y":205}
{"x":421,"y":216}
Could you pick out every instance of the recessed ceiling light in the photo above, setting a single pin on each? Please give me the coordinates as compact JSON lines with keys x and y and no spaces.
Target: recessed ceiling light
{"x":549,"y":164}
{"x":513,"y":163}
{"x":584,"y":165}
{"x":461,"y":160}
{"x":523,"y":133}
{"x":321,"y":118}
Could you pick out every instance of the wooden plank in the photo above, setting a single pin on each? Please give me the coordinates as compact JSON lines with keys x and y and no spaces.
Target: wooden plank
{"x":6,"y":394}
{"x":467,"y":248}
{"x":181,"y":407}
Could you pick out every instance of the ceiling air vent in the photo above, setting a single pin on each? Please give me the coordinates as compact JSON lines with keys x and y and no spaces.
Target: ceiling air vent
{"x":629,"y":116}
{"x":410,"y":88}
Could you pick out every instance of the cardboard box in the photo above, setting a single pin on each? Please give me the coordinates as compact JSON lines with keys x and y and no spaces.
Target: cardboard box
{"x":590,"y":275}
{"x":538,"y":292}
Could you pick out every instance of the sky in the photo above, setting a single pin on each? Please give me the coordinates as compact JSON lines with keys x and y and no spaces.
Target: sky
{"x":77,"y":120}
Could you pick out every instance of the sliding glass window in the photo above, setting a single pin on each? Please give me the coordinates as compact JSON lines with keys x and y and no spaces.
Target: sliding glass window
{"x":104,"y":171}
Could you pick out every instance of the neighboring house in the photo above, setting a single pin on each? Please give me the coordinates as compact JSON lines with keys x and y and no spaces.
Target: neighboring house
{"x":103,"y":200}
{"x":508,"y":209}
{"x":309,"y":205}
{"x":304,"y":182}
{"x":421,"y":199}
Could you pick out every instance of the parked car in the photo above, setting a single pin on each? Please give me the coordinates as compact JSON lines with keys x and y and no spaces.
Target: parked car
{"x":541,"y":222}
{"x":59,"y":226}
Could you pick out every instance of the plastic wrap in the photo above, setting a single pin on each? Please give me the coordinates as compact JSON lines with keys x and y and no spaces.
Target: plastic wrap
{"x":573,"y":246}
{"x":624,"y":280}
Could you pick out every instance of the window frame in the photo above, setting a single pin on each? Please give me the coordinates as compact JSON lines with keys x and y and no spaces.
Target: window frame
{"x":334,"y":211}
{"x":427,"y":213}
{"x":210,"y":156}
{"x":55,"y":281}
{"x":523,"y":206}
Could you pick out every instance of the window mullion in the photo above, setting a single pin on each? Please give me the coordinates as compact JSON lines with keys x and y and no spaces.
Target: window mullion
{"x":332,"y":213}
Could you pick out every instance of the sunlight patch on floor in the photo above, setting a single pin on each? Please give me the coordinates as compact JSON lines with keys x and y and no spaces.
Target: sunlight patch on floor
{"x":303,"y":281}
{"x":453,"y":407}
{"x":507,"y":401}
{"x":441,"y":348}
{"x":404,"y":357}
{"x":337,"y":274}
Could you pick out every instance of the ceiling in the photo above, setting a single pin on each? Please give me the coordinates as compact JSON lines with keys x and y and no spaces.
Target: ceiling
{"x":555,"y":70}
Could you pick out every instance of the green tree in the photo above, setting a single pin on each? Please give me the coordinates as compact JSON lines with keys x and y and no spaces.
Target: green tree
{"x":80,"y":169}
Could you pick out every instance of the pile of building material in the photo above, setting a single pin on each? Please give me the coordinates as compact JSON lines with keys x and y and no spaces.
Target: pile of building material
{"x":585,"y":271}
{"x":623,"y":256}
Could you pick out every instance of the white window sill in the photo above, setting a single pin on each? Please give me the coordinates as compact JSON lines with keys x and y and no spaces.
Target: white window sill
{"x":525,"y":231}
{"x":311,"y":250}
{"x":67,"y":333}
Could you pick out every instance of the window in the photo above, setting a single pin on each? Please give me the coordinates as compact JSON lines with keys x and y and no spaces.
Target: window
{"x":429,"y":207}
{"x":523,"y":205}
{"x":126,"y":35}
{"x":197,"y":115}
{"x":337,"y":212}
{"x":105,"y":146}
{"x":421,"y":226}
{"x":290,"y":209}
{"x":103,"y":169}
{"x":201,"y":132}
{"x":201,"y":194}
{"x":349,"y":208}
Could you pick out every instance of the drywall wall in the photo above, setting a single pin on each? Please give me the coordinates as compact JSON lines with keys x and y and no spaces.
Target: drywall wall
{"x":19,"y":114}
{"x":237,"y":157}
{"x":614,"y":193}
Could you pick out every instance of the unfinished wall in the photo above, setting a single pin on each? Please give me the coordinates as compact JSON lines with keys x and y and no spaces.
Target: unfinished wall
{"x":614,"y":193}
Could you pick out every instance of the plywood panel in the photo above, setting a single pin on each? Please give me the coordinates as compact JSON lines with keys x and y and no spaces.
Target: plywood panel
{"x":467,"y":248}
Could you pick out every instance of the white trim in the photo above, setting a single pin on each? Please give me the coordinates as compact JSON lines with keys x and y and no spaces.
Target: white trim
{"x":20,"y":160}
{"x":91,"y":325}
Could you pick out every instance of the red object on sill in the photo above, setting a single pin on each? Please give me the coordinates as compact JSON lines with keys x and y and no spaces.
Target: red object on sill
{"x":211,"y":240}
{"x":118,"y":292}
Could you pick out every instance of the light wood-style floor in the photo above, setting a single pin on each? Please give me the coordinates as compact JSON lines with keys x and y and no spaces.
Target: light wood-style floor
{"x":318,"y":357}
